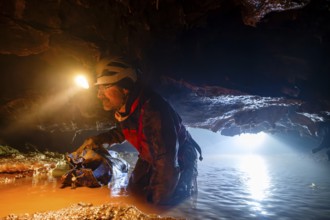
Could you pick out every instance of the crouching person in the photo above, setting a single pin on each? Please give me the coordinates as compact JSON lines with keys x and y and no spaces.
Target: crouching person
{"x":166,"y":170}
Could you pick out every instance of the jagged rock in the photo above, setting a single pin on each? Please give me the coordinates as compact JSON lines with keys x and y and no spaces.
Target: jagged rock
{"x":43,"y":43}
{"x":253,"y":11}
{"x":231,"y":113}
{"x":226,"y":111}
{"x":15,"y":164}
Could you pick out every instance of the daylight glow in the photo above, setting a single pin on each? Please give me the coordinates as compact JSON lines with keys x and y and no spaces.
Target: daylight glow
{"x":81,"y":81}
{"x":251,"y":140}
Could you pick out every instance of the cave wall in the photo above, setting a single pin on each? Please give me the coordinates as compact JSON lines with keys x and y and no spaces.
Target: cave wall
{"x":268,"y":48}
{"x":281,"y":41}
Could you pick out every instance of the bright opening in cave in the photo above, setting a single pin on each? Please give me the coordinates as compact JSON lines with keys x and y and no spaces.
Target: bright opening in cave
{"x":251,"y":140}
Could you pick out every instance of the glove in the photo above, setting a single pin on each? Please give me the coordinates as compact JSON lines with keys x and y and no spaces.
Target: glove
{"x":83,"y":155}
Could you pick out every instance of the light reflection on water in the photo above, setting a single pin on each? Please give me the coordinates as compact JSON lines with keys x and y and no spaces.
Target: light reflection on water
{"x":256,"y":181}
{"x":230,"y":187}
{"x":258,"y":187}
{"x":242,"y":183}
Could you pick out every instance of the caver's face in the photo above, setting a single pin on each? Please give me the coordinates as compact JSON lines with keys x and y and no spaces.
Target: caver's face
{"x":112,"y":97}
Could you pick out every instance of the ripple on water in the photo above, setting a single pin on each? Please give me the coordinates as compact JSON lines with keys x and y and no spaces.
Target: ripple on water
{"x":228,"y":193}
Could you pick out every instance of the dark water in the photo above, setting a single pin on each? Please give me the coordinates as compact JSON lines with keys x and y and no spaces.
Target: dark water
{"x":240,"y":178}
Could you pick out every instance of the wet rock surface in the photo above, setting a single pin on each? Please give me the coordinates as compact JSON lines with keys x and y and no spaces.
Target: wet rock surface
{"x":231,"y":112}
{"x":16,"y":165}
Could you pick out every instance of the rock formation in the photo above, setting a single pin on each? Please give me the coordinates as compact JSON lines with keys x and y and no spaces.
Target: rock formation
{"x":235,"y":66}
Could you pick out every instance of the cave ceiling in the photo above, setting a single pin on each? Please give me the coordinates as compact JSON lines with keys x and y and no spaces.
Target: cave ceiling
{"x":227,"y":66}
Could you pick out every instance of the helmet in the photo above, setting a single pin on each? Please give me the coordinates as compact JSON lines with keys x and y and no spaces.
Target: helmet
{"x":112,"y":70}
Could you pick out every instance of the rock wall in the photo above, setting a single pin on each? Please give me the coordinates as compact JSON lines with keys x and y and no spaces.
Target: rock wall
{"x":260,"y":48}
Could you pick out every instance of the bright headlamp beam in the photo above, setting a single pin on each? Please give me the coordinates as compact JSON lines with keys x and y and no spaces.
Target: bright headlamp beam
{"x":81,"y":81}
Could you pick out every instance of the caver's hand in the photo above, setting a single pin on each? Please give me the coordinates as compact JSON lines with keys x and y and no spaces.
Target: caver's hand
{"x":88,"y":152}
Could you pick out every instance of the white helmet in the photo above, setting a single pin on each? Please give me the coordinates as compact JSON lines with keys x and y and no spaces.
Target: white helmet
{"x":112,"y":70}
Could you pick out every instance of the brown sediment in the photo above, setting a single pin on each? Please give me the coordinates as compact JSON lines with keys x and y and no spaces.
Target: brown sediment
{"x":88,"y":211}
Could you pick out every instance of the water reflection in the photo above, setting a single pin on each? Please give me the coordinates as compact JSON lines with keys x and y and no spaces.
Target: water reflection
{"x":256,"y":180}
{"x":235,"y":182}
